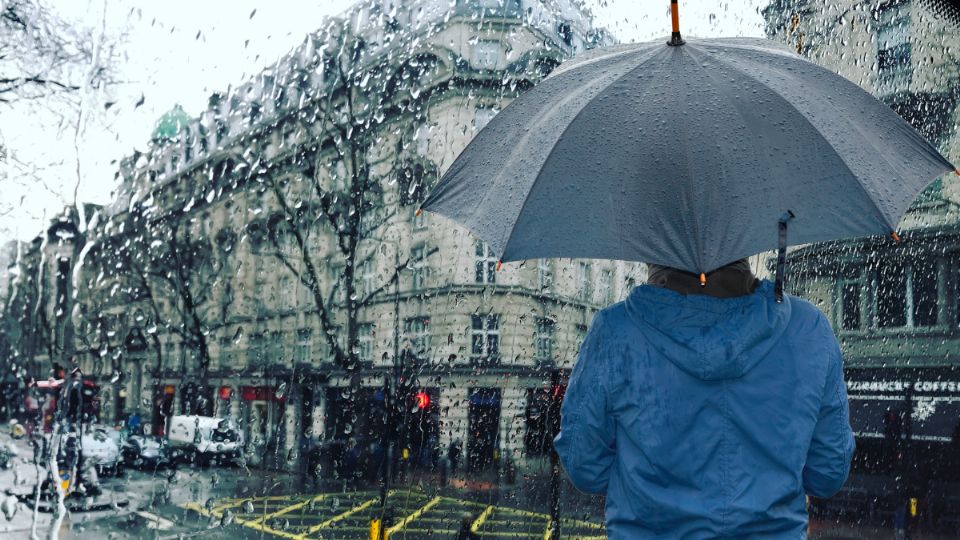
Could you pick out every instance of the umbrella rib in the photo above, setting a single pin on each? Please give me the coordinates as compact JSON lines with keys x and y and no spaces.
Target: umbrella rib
{"x":775,"y":93}
{"x":721,"y":91}
{"x":553,"y":149}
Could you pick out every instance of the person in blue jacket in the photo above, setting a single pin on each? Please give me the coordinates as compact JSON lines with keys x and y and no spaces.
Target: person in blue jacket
{"x":707,"y":412}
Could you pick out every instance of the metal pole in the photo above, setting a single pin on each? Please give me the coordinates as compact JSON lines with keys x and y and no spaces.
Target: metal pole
{"x":555,"y":397}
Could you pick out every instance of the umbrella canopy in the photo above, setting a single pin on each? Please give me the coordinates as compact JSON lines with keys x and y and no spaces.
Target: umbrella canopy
{"x":685,"y":156}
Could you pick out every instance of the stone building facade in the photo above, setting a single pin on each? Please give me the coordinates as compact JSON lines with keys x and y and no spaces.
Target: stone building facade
{"x":194,"y":274}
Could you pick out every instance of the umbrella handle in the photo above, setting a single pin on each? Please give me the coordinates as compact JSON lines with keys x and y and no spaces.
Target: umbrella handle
{"x":675,"y":38}
{"x":782,"y":255}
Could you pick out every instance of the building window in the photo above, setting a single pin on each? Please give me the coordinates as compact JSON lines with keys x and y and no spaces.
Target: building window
{"x":544,"y":274}
{"x":894,"y":58}
{"x":907,"y":294}
{"x":606,"y":286}
{"x":417,"y":331}
{"x":565,"y":32}
{"x":923,"y":281}
{"x":368,"y":277}
{"x":585,"y":281}
{"x":255,"y":349}
{"x":287,"y":294}
{"x":581,"y":335}
{"x":365,"y":337}
{"x":892,"y":296}
{"x":893,"y":39}
{"x":304,"y":345}
{"x":278,"y":347}
{"x":335,"y":274}
{"x":485,"y":342}
{"x":412,"y":181}
{"x":485,"y":267}
{"x":850,"y":306}
{"x":544,"y":338}
{"x":486,"y":54}
{"x":419,"y":267}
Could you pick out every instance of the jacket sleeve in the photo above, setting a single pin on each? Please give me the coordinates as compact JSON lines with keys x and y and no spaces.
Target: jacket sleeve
{"x":828,"y":459}
{"x":587,"y":440}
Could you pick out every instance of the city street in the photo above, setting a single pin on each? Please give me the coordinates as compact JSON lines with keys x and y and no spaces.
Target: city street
{"x":239,"y":503}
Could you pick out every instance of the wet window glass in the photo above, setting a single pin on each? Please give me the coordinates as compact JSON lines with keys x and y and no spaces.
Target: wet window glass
{"x":228,"y":308}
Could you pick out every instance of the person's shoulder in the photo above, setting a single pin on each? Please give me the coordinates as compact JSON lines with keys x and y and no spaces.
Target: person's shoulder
{"x":807,"y":315}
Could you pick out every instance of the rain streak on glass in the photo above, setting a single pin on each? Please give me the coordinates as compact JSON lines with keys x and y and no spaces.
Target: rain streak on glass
{"x":223,"y":312}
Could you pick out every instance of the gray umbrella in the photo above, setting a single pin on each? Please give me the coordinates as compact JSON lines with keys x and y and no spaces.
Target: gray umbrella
{"x":686,"y":156}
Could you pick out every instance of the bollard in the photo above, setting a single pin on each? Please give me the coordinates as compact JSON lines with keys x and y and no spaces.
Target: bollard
{"x":377,"y":532}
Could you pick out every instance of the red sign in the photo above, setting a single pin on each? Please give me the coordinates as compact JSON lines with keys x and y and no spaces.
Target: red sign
{"x":169,"y":390}
{"x":259,"y":393}
{"x":225,"y":392}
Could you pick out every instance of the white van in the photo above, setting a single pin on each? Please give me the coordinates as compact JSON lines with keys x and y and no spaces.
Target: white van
{"x":204,"y":439}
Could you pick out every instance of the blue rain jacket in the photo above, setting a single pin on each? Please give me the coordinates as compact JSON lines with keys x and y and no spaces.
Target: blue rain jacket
{"x":701,"y":417}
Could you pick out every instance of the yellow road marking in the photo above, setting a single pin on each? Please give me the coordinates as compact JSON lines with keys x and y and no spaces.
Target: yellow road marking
{"x":258,"y":523}
{"x":546,"y":534}
{"x":291,"y":508}
{"x":358,"y":508}
{"x":481,"y":518}
{"x":433,"y":502}
{"x":253,"y":524}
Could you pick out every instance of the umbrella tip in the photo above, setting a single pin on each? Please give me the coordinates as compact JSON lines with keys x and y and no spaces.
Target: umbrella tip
{"x":703,"y":279}
{"x":956,"y":172}
{"x":895,"y":236}
{"x":418,"y":212}
{"x":499,"y":264}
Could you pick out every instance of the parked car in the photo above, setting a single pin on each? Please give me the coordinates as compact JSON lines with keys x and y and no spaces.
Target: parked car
{"x":100,"y":447}
{"x":145,"y":452}
{"x":204,"y":439}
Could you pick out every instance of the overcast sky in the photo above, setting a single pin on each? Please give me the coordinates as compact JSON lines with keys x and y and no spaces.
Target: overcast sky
{"x":179,"y":51}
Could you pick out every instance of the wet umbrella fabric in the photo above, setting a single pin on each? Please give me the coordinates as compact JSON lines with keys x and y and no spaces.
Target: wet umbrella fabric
{"x":685,"y":156}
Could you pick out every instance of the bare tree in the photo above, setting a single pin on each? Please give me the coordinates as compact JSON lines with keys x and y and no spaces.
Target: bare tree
{"x":334,"y":211}
{"x":180,"y":274}
{"x":42,"y":54}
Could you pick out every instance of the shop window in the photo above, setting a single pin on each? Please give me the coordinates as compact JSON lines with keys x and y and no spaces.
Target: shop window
{"x":907,"y":294}
{"x":850,"y":306}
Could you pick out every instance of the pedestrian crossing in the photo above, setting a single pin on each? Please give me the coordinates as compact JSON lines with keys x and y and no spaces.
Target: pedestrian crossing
{"x":408,"y":514}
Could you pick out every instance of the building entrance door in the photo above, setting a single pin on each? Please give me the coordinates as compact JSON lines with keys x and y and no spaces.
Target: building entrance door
{"x":162,"y":408}
{"x":483,"y":424}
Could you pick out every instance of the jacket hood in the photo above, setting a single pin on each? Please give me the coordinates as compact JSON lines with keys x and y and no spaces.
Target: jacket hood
{"x":711,"y":338}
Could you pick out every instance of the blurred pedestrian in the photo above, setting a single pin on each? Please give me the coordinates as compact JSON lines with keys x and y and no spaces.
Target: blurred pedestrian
{"x":465,"y":531}
{"x":453,"y":455}
{"x":133,"y":423}
{"x":707,"y":411}
{"x":900,"y":521}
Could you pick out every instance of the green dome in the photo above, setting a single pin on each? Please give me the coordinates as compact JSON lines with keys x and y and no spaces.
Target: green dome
{"x":169,"y":125}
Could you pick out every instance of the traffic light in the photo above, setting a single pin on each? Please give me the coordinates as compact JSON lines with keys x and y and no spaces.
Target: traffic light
{"x":422,"y":400}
